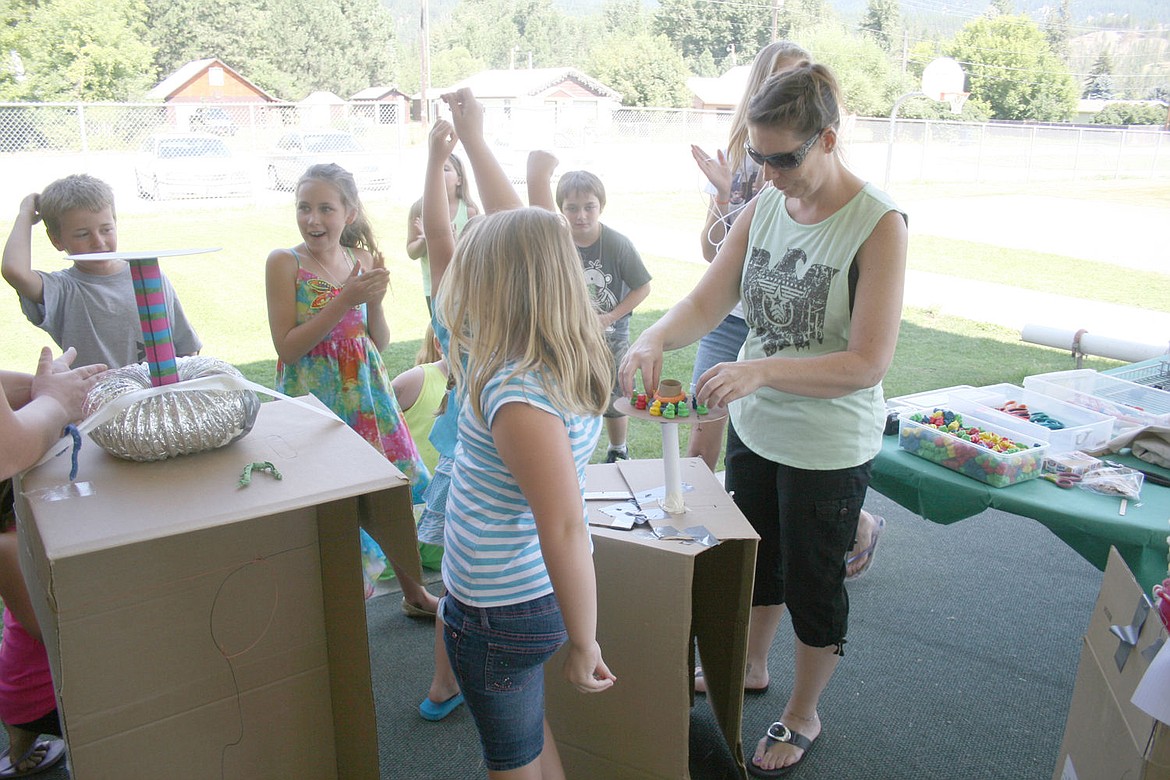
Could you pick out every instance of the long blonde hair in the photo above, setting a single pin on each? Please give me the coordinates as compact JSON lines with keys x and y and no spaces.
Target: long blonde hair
{"x":774,"y":58}
{"x":514,"y":293}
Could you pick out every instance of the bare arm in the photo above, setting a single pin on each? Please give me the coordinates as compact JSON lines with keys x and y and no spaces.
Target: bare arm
{"x":416,"y":240}
{"x":877,"y":313}
{"x":55,"y":395}
{"x":495,"y":191}
{"x":625,"y":305}
{"x":436,"y":214}
{"x":695,"y":315}
{"x":16,"y":266}
{"x":541,"y":165}
{"x":407,"y":386}
{"x":534,"y":445}
{"x":376,"y":324}
{"x":714,"y":228}
{"x":12,"y":588}
{"x":293,"y":341}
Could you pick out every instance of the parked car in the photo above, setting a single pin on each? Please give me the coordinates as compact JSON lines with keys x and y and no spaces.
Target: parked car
{"x":188,"y":165}
{"x":299,"y":149}
{"x":212,"y":119}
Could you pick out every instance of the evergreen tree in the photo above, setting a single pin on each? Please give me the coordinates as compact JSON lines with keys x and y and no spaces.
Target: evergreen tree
{"x":1057,"y":28}
{"x":1099,"y":85}
{"x":882,"y":21}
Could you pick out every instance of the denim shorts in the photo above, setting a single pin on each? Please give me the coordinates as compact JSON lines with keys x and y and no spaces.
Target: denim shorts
{"x":498,"y":654}
{"x":721,"y":345}
{"x":807,"y":521}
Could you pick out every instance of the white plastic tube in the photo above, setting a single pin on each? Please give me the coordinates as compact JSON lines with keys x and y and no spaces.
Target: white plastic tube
{"x":672,"y":502}
{"x":1091,"y":344}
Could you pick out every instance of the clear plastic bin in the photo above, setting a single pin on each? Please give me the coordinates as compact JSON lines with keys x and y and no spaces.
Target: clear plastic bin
{"x":1083,"y":428}
{"x":996,"y":469}
{"x":1127,"y":402}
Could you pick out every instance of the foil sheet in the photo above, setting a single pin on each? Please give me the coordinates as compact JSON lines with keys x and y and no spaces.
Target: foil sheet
{"x":174,"y":422}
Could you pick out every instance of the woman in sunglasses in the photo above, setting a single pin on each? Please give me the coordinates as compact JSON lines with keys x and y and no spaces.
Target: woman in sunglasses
{"x":818,"y":262}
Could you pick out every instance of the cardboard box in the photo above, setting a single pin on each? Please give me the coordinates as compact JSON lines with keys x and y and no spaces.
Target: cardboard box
{"x":199,"y":629}
{"x":1107,"y":737}
{"x":654,"y":598}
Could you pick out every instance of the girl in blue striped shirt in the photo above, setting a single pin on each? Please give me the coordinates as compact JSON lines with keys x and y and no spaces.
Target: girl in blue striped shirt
{"x":533,"y":376}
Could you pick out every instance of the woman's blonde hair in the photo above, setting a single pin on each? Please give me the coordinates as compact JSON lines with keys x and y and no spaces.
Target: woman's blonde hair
{"x":515,"y":294}
{"x":774,"y":58}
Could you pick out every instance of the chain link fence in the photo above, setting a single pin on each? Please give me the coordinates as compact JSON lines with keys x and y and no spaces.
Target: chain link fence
{"x":267,"y":145}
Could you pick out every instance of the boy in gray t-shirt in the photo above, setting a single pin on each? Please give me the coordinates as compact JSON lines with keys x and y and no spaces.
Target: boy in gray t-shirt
{"x":89,"y":306}
{"x":615,"y":276}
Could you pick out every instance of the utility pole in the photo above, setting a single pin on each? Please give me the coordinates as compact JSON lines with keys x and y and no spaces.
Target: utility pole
{"x":425,"y":64}
{"x":777,"y":5}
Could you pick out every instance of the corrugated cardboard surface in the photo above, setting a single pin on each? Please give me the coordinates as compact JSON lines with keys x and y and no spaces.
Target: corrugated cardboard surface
{"x":654,"y":598}
{"x":1108,"y":737}
{"x":207,"y":630}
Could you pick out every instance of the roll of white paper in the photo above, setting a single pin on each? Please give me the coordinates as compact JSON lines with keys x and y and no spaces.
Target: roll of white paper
{"x":1092,"y":344}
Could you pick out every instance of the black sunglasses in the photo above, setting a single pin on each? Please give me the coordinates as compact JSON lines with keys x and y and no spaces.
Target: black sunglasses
{"x":785,"y":161}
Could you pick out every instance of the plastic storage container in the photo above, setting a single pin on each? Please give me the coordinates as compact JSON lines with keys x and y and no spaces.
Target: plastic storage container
{"x":996,"y":469}
{"x":1083,"y":428}
{"x":927,"y":399}
{"x":1127,"y":402}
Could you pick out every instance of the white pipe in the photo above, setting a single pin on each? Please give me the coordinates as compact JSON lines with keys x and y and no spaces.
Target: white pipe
{"x":1091,"y":344}
{"x":673,"y":500}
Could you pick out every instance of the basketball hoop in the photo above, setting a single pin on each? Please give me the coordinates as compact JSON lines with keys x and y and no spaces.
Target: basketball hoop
{"x":943,"y":80}
{"x":956,"y":99}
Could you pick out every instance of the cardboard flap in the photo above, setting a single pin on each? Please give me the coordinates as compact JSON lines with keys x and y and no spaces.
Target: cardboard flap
{"x":1119,"y":632}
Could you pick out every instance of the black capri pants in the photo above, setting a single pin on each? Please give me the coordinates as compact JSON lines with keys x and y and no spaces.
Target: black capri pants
{"x":807,"y":522}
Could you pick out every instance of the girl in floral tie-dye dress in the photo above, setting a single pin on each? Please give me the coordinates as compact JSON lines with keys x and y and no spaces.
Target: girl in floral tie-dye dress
{"x":328,"y":327}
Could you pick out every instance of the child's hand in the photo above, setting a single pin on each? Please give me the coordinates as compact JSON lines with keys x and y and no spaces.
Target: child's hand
{"x":716,"y":170}
{"x":30,"y":208}
{"x":364,"y":286}
{"x":541,"y":164}
{"x":466,"y":113}
{"x":586,"y":670}
{"x":67,"y":386}
{"x":442,"y":141}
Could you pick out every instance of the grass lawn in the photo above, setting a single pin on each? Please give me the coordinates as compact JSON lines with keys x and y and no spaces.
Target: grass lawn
{"x":223,"y":292}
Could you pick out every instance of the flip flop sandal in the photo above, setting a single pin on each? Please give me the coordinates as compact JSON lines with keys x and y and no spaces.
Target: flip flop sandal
{"x":415,"y":611}
{"x":778,"y":732}
{"x":54,"y":751}
{"x":879,"y":525}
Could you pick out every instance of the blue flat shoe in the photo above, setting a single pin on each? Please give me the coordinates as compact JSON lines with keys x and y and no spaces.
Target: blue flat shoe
{"x":431,"y":711}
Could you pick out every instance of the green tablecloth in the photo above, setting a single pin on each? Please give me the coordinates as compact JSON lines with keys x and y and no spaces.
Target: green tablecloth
{"x":1087,"y":522}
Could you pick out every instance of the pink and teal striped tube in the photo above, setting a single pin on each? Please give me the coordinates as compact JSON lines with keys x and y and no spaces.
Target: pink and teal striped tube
{"x":156,"y":327}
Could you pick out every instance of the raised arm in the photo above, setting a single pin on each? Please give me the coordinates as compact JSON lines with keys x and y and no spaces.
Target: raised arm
{"x":715,"y":226}
{"x":495,"y":191}
{"x":541,"y":165}
{"x":436,"y":213}
{"x":16,"y":266}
